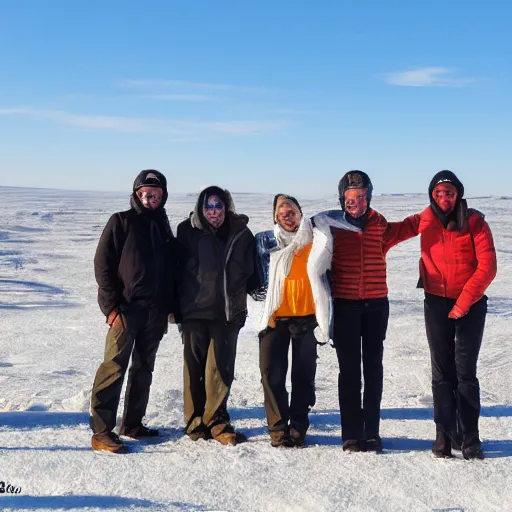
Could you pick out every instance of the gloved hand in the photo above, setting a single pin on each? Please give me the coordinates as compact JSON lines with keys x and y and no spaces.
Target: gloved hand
{"x":260,"y":294}
{"x":115,"y":318}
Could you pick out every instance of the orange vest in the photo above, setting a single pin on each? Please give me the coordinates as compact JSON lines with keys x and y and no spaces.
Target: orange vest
{"x":297,"y":294}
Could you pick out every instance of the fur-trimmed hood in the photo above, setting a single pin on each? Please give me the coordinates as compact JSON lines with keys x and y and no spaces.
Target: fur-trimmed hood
{"x":197,"y":218}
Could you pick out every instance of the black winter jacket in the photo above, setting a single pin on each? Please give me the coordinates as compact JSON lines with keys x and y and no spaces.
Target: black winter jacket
{"x":136,"y":262}
{"x":216,"y":269}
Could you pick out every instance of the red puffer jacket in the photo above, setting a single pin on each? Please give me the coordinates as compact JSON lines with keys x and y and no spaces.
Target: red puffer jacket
{"x":359,"y":259}
{"x":455,"y":264}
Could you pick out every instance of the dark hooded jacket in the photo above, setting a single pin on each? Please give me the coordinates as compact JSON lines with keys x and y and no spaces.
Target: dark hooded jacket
{"x":136,"y":261}
{"x":217,"y":264}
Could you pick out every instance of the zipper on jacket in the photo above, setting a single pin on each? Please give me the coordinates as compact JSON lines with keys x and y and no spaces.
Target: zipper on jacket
{"x":361,"y":277}
{"x":228,"y":255}
{"x":445,"y":263}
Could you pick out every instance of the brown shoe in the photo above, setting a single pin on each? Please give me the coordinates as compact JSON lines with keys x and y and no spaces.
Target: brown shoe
{"x":281,"y":438}
{"x":298,"y":439}
{"x":140,"y":432}
{"x":108,"y":442}
{"x":231,"y":438}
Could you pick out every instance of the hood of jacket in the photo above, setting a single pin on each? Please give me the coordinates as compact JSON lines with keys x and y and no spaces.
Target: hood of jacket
{"x":197,"y":218}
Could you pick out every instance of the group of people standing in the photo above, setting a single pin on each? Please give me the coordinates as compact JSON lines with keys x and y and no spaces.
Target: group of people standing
{"x":322,"y":278}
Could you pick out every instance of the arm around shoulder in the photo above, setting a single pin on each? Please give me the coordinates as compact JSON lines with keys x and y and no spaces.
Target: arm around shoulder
{"x":397,"y":232}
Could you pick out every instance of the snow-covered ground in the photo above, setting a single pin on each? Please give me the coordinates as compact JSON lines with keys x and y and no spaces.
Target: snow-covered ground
{"x":51,"y":343}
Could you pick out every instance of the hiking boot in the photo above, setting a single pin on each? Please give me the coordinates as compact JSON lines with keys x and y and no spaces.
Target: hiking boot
{"x":373,"y":445}
{"x":442,"y":447}
{"x":281,"y":438}
{"x":352,"y":445}
{"x":108,"y":442}
{"x":230,"y":438}
{"x":140,"y":432}
{"x":473,"y":452}
{"x":297,"y":438}
{"x":227,"y":435}
{"x":200,"y":432}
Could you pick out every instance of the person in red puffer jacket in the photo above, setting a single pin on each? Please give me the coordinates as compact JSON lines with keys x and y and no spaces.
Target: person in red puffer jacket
{"x":458,"y":263}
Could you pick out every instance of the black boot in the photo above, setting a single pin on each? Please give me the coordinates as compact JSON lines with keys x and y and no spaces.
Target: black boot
{"x":374,"y":445}
{"x":473,"y":452}
{"x":353,"y":445}
{"x":442,"y":447}
{"x":472,"y":447}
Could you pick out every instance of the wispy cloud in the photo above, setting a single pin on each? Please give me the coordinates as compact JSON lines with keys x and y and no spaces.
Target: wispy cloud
{"x":427,"y":77}
{"x":178,"y":130}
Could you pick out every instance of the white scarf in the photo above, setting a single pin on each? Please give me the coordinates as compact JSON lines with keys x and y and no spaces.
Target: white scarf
{"x":281,"y":259}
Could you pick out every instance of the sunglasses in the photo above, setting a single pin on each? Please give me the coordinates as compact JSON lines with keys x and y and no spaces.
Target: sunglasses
{"x":149,"y":195}
{"x":214,"y":206}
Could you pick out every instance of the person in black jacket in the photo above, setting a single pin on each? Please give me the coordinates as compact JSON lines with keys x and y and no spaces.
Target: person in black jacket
{"x":136,"y":270}
{"x":217,"y":251}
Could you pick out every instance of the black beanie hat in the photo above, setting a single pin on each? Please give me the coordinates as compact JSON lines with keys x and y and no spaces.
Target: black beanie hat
{"x":354,"y":179}
{"x":151,"y":178}
{"x":287,"y":197}
{"x":446,"y":177}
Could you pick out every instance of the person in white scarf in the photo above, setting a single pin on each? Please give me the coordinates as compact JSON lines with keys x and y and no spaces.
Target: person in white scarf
{"x":297,"y":290}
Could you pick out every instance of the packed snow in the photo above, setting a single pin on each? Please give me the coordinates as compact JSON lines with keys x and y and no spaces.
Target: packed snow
{"x":52,"y":340}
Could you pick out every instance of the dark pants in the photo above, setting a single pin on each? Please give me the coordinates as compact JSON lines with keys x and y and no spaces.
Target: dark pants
{"x":360,"y":329}
{"x":454,"y":348}
{"x":138,"y":335}
{"x":274,"y":346}
{"x":209,"y":370}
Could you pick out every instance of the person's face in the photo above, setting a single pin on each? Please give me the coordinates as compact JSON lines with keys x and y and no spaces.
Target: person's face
{"x":356,"y":201}
{"x":150,"y":197}
{"x":215,"y":211}
{"x":445,"y":196}
{"x":288,"y":217}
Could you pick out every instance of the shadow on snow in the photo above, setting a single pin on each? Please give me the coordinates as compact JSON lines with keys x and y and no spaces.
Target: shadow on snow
{"x":22,"y":420}
{"x":20,"y":502}
{"x":44,"y":294}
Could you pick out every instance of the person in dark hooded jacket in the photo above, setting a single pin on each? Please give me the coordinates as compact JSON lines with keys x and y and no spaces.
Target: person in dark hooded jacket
{"x":136,"y":269}
{"x":217,"y":262}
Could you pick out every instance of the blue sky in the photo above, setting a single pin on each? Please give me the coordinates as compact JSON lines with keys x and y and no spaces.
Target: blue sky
{"x":264,"y":96}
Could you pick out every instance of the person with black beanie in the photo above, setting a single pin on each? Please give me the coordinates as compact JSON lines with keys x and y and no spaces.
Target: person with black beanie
{"x":136,"y":268}
{"x":458,"y":263}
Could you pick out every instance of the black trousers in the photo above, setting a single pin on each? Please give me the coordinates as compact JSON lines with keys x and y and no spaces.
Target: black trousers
{"x":454,"y":348}
{"x":359,"y":332}
{"x":138,"y":335}
{"x":209,"y":349}
{"x":274,"y":347}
